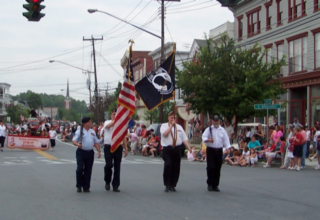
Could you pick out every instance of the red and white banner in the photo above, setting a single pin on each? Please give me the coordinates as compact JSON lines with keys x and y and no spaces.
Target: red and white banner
{"x":28,"y":142}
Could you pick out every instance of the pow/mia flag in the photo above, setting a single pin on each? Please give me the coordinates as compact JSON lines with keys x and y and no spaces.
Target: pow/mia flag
{"x":158,"y":86}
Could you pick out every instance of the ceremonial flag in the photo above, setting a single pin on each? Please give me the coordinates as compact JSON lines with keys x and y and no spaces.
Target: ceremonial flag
{"x":126,"y":107}
{"x":158,"y":86}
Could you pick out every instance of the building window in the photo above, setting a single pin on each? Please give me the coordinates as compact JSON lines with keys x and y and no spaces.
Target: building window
{"x":240,"y":27}
{"x":268,"y":58}
{"x":297,"y":8}
{"x":279,"y":12}
{"x":298,"y":53}
{"x":253,"y":21}
{"x":280,"y":48}
{"x":268,"y":15}
{"x":317,"y":49}
{"x":316,"y":5}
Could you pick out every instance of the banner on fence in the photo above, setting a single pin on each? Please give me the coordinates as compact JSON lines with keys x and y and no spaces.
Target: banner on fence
{"x":28,"y":142}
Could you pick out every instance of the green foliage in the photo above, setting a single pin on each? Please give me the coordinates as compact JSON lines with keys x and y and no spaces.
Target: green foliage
{"x":14,"y":112}
{"x":229,"y":80}
{"x":153,"y":116}
{"x":35,"y":100}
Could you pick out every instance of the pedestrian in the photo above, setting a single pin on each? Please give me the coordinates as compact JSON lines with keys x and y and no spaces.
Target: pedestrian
{"x":215,"y":137}
{"x":52,"y":134}
{"x":85,"y":139}
{"x":112,"y":159}
{"x":172,"y":138}
{"x":3,"y":130}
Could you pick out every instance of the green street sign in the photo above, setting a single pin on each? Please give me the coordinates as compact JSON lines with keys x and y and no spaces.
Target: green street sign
{"x":267,"y":101}
{"x":266,"y":106}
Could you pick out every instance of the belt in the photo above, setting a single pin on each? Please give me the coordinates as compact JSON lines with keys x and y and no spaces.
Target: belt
{"x":85,"y":150}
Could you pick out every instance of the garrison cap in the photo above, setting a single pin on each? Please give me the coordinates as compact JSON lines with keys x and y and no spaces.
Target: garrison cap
{"x":85,"y":120}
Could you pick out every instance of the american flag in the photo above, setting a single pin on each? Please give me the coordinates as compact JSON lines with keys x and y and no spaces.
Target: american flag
{"x":126,"y":107}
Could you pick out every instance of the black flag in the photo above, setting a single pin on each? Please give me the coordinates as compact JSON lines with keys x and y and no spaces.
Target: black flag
{"x":158,"y":86}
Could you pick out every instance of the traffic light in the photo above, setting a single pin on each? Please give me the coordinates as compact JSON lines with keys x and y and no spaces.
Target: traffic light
{"x":229,"y":3}
{"x":34,"y":7}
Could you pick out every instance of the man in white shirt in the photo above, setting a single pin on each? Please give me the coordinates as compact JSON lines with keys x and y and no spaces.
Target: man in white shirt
{"x":172,"y":138}
{"x":112,"y":159}
{"x":215,"y":137}
{"x":229,"y":129}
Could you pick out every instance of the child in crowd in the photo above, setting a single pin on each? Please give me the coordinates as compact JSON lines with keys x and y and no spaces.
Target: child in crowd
{"x":134,"y":142}
{"x":290,"y":154}
{"x":201,"y":154}
{"x":245,"y":155}
{"x":253,"y":158}
{"x":236,"y":158}
{"x":229,"y":157}
{"x":192,"y":156}
{"x":283,"y":148}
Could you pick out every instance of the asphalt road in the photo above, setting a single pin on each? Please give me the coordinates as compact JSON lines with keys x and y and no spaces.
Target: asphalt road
{"x":37,"y":187}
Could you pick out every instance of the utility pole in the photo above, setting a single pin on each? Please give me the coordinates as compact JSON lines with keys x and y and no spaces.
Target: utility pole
{"x":162,"y":54}
{"x":92,"y":39}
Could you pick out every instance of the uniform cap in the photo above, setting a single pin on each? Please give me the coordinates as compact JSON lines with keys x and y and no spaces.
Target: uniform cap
{"x":215,"y":117}
{"x":85,"y":120}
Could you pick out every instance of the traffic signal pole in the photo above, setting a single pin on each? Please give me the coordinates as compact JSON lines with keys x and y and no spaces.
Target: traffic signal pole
{"x":92,"y":39}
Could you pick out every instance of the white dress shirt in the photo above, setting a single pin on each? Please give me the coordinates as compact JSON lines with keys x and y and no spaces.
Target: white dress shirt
{"x":219,"y":135}
{"x":107,"y":133}
{"x":167,"y":141}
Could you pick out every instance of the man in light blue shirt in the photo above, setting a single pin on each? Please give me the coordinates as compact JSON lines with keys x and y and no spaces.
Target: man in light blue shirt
{"x":85,"y":139}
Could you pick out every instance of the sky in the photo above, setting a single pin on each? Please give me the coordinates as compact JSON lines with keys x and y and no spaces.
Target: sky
{"x":26,"y":47}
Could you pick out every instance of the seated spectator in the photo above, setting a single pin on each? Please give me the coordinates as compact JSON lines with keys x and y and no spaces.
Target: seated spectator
{"x":229,"y":157}
{"x":192,"y":156}
{"x":242,"y":144}
{"x":225,"y":153}
{"x":252,"y":159}
{"x":155,"y":148}
{"x":201,"y":154}
{"x":254,"y":144}
{"x":151,"y":143}
{"x":236,"y":158}
{"x":272,"y":153}
{"x":65,"y":135}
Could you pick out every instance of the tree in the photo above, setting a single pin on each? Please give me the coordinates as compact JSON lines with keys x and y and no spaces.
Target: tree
{"x":34,"y":100}
{"x":153,"y":116}
{"x":229,"y":80}
{"x":14,"y":112}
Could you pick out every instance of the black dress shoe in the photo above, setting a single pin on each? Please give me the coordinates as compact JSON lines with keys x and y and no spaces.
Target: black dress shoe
{"x":79,"y":190}
{"x":107,"y":186}
{"x":116,"y":190}
{"x":216,"y":189}
{"x":86,"y":190}
{"x":172,"y":189}
{"x":210,"y":188}
{"x":167,"y":189}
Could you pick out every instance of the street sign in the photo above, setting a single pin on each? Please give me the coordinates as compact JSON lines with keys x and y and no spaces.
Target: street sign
{"x":267,"y":101}
{"x":266,"y":106}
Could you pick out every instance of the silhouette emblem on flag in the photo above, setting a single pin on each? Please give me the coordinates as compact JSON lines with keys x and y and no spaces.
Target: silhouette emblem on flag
{"x":158,"y":86}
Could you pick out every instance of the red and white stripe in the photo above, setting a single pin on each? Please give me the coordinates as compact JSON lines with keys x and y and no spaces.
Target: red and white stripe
{"x":126,"y":107}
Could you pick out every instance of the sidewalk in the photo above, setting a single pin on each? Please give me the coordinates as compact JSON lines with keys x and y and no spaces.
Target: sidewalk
{"x":311,"y":164}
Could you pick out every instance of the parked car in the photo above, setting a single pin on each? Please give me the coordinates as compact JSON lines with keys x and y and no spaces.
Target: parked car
{"x":156,"y":129}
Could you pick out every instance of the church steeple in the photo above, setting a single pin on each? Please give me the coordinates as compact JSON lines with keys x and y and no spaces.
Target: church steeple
{"x":67,"y":101}
{"x":67,"y":96}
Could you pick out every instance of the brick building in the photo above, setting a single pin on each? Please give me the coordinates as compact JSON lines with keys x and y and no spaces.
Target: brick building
{"x":289,"y":28}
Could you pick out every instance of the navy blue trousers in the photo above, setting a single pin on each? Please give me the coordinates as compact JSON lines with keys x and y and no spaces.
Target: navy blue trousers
{"x":84,"y":168}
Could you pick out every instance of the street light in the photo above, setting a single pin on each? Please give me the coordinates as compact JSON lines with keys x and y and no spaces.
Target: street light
{"x":96,"y":10}
{"x":57,"y":61}
{"x":85,"y":71}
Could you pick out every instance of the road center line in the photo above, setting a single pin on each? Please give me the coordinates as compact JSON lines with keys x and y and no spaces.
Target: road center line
{"x":50,"y":157}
